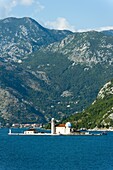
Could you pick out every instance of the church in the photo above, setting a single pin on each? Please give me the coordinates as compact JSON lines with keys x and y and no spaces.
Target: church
{"x":63,"y":129}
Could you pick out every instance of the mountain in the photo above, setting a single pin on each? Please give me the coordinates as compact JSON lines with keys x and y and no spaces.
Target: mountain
{"x":108,"y":32}
{"x":100,"y":113}
{"x":49,"y":73}
{"x":19,"y":38}
{"x":22,"y":36}
{"x":86,"y":48}
{"x":76,"y":67}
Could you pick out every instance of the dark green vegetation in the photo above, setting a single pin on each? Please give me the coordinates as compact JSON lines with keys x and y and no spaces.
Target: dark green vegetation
{"x":49,"y":73}
{"x":99,"y":114}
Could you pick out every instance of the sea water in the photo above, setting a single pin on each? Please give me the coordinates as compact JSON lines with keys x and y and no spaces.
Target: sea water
{"x":56,"y":152}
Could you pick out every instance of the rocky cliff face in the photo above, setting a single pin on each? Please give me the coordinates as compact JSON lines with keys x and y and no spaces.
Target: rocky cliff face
{"x":20,"y":37}
{"x":49,"y":73}
{"x":86,"y":48}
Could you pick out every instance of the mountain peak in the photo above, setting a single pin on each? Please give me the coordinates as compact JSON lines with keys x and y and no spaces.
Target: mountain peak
{"x":51,"y":71}
{"x":22,"y":36}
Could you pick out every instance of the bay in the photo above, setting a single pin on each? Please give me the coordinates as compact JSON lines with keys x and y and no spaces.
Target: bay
{"x":56,"y":152}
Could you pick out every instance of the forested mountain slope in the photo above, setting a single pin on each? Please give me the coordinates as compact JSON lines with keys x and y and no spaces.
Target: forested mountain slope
{"x":49,"y":73}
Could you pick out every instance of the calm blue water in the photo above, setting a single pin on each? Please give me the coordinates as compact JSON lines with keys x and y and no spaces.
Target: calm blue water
{"x":56,"y":152}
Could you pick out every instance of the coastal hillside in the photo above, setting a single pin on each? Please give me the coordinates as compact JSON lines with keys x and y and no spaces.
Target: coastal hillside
{"x":100,"y":113}
{"x":74,"y":70}
{"x":50,"y":73}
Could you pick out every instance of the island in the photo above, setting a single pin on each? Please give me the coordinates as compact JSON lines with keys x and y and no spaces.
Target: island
{"x":61,"y":129}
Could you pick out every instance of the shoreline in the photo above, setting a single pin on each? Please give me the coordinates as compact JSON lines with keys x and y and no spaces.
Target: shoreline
{"x":101,"y":130}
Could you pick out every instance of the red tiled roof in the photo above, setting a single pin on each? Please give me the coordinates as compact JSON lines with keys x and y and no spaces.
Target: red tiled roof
{"x":61,"y":125}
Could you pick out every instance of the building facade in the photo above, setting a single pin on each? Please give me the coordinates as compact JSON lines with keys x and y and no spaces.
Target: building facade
{"x":61,"y":128}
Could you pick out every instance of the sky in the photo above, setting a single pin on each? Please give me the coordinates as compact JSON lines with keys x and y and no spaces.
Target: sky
{"x":74,"y":15}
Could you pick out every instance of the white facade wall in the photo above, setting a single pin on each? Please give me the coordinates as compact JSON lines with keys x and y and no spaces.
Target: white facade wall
{"x":60,"y":130}
{"x":63,"y":130}
{"x":68,"y":130}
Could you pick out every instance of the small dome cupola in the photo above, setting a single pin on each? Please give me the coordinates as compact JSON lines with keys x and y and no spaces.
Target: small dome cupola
{"x":68,"y":124}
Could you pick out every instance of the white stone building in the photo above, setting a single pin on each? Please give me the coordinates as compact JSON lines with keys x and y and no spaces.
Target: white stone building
{"x":30,"y":132}
{"x":61,"y":128}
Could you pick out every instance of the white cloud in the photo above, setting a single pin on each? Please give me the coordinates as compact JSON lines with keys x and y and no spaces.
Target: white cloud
{"x":8,"y":6}
{"x":26,"y":2}
{"x":60,"y":24}
{"x":96,"y":29}
{"x":105,"y":28}
{"x":40,"y":6}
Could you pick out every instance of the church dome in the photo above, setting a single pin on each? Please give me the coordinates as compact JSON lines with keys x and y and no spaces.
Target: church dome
{"x":68,"y":124}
